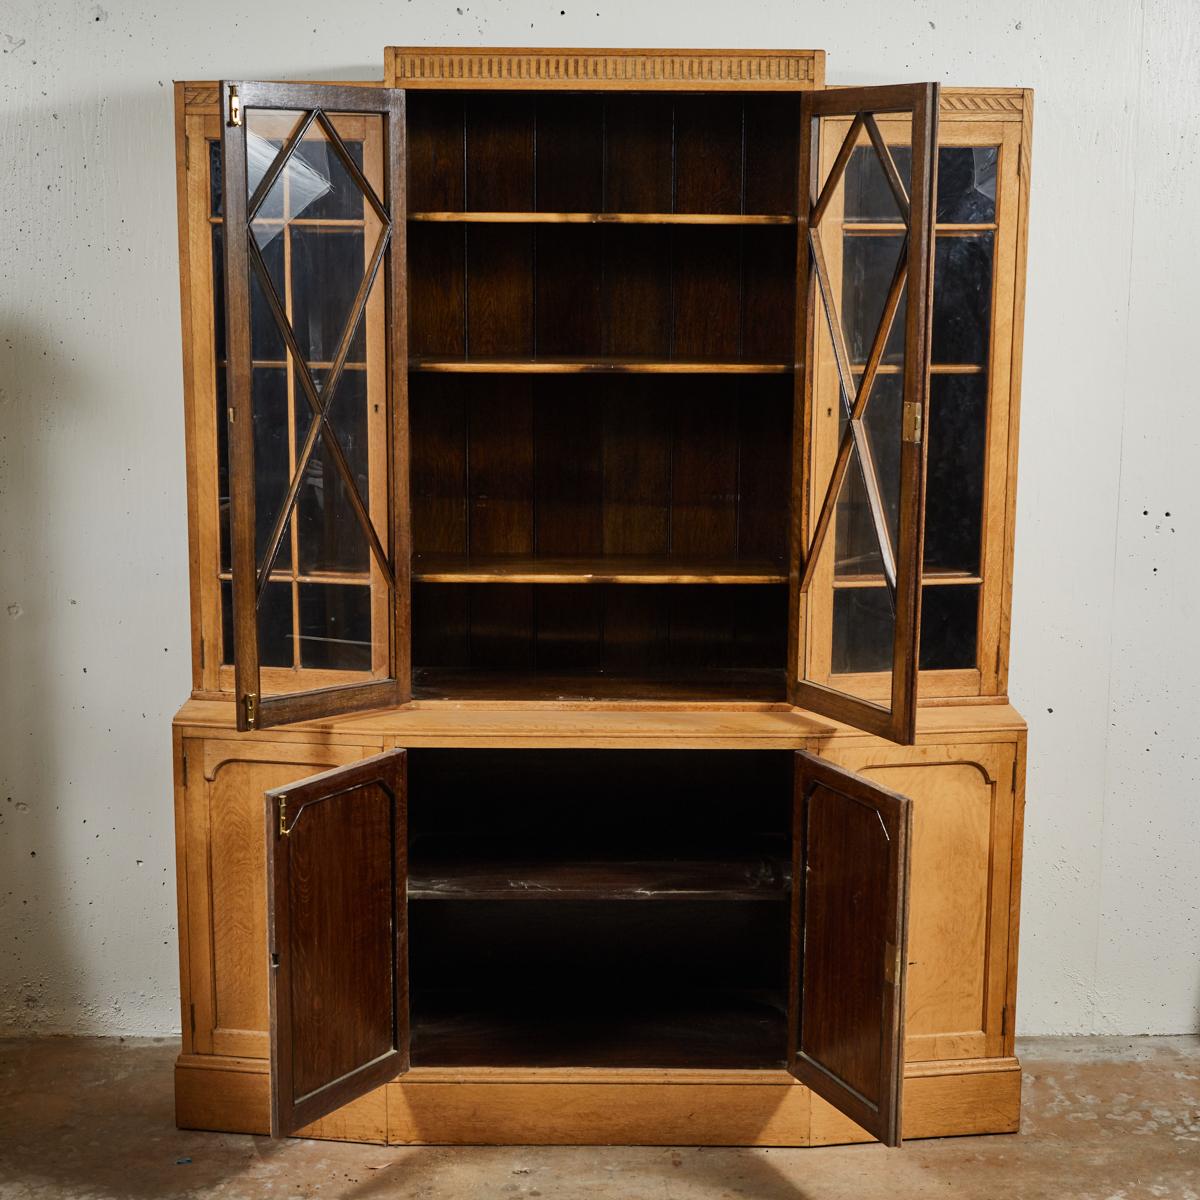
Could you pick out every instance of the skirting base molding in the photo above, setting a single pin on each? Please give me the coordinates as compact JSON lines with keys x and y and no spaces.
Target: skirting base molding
{"x":491,"y":1106}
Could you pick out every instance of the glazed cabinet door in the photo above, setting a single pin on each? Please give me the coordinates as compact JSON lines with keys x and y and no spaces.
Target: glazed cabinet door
{"x":863,"y":343}
{"x":313,"y":201}
{"x":849,"y":920}
{"x":337,"y":937}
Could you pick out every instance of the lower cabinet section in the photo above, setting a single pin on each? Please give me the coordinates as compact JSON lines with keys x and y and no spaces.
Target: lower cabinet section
{"x":600,"y":940}
{"x":690,"y":1108}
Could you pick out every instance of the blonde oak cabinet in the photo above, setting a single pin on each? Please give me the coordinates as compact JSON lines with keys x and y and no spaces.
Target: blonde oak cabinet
{"x":601,"y":474}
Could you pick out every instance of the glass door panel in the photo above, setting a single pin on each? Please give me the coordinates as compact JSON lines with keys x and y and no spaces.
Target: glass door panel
{"x":867,"y":218}
{"x":313,"y":247}
{"x":956,"y":417}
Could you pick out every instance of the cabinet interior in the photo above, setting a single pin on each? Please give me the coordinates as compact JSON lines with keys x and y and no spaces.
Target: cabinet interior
{"x":599,"y":908}
{"x":602,"y":313}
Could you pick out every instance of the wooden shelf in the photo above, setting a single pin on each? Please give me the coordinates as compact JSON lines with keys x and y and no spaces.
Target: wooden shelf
{"x":449,"y":568}
{"x":596,"y":366}
{"x":602,"y":218}
{"x":459,"y":869}
{"x":928,"y":579}
{"x":722,"y":1030}
{"x":715,"y":686}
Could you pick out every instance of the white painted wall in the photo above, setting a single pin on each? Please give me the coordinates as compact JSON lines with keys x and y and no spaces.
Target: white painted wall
{"x":93,"y":589}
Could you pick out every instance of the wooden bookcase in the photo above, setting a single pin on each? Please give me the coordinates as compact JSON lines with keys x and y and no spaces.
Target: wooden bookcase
{"x":601,"y":480}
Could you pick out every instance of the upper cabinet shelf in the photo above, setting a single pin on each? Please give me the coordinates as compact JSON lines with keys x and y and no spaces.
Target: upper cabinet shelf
{"x":603,"y":218}
{"x":600,"y":365}
{"x":515,"y":568}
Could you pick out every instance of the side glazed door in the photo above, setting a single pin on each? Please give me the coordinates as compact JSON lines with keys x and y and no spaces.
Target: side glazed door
{"x":863,"y":349}
{"x":316,"y":381}
{"x":849,"y":920}
{"x":337,"y":937}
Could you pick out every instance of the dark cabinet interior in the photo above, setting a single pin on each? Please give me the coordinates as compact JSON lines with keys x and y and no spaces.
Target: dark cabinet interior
{"x":599,"y":908}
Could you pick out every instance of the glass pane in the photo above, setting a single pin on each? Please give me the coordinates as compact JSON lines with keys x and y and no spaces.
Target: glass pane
{"x":967,"y":184}
{"x":852,"y":622}
{"x":266,"y":132}
{"x":855,"y":537}
{"x":328,"y":531}
{"x":226,"y":622}
{"x":962,"y":298}
{"x":327,"y":268}
{"x":266,"y":341}
{"x":341,"y":199}
{"x":218,"y":278}
{"x":275,"y":626}
{"x":966,"y":190}
{"x":868,"y":264}
{"x":223,"y":501}
{"x":957,"y":440}
{"x":864,"y":629}
{"x":868,"y":196}
{"x":214,"y":177}
{"x":272,"y":461}
{"x":949,"y":627}
{"x":335,"y":626}
{"x":317,"y":231}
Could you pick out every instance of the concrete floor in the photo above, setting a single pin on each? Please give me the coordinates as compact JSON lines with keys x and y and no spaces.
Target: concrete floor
{"x":1104,"y":1119}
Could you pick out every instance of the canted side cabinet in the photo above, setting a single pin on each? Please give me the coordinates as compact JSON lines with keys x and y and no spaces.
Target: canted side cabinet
{"x":601,"y":478}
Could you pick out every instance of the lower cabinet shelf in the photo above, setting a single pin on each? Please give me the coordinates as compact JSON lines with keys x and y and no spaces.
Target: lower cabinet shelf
{"x":526,"y":872}
{"x":667,"y":1029}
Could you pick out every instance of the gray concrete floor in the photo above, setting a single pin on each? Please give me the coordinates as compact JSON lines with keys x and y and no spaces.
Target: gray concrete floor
{"x":1104,"y":1119}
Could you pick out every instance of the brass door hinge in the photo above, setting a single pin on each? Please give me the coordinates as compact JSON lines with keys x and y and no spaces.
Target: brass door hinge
{"x":283,"y":826}
{"x":250,"y":704}
{"x":235,"y":107}
{"x":914,"y":421}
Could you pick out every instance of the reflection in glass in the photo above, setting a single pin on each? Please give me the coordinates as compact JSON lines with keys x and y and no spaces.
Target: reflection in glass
{"x":868,"y":264}
{"x":863,"y":628}
{"x":275,"y":625}
{"x":214,"y":177}
{"x":957,"y":437}
{"x":962,"y":298}
{"x":218,"y":277}
{"x":341,"y":198}
{"x":335,"y":626}
{"x":223,"y":497}
{"x":272,"y":472}
{"x":329,"y":534}
{"x":966,"y":189}
{"x":266,"y":341}
{"x":949,"y":627}
{"x":226,"y":622}
{"x":327,"y":267}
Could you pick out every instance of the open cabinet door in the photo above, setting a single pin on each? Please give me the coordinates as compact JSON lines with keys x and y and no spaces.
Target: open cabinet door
{"x":316,"y":383}
{"x":865,"y":289}
{"x":337,"y":937}
{"x":849,"y":919}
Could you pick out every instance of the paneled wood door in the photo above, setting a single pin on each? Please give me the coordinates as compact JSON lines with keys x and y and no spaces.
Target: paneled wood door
{"x":849,"y":920}
{"x":337,"y":932}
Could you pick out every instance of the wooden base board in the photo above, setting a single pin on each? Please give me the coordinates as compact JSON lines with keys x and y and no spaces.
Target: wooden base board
{"x":649,"y":1108}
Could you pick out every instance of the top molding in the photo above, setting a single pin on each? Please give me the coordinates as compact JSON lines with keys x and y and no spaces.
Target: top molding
{"x":523,"y":69}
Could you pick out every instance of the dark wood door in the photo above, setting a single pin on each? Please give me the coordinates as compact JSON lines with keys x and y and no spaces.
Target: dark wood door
{"x":317,"y":381}
{"x":849,"y":914}
{"x":866,"y":315}
{"x":337,"y":935}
